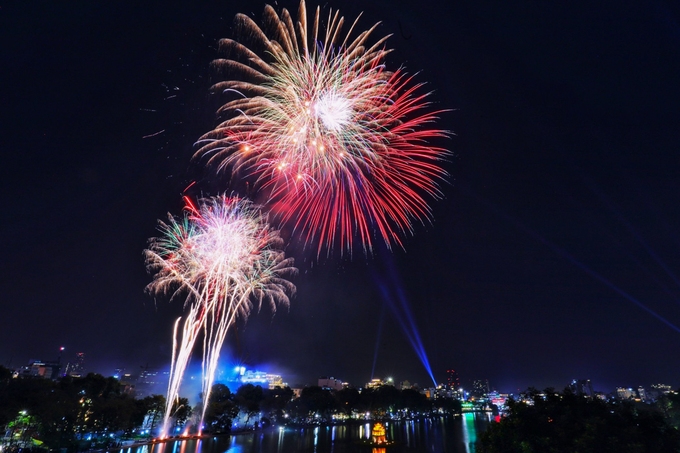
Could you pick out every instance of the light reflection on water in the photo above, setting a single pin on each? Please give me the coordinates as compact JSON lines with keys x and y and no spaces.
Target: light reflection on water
{"x":469,"y":432}
{"x":444,"y":435}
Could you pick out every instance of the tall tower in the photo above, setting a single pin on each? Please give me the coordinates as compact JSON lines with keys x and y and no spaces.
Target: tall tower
{"x":76,"y":368}
{"x":452,"y":380}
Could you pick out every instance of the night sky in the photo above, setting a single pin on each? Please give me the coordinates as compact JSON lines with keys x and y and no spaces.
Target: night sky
{"x":554,"y":255}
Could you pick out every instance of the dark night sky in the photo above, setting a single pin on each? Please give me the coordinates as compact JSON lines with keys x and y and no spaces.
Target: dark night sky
{"x":554,"y":254}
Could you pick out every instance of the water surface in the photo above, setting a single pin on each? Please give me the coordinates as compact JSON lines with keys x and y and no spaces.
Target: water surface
{"x":440,"y":435}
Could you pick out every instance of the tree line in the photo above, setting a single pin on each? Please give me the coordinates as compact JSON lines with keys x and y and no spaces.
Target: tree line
{"x":96,"y":412}
{"x":556,"y":422}
{"x":73,"y":413}
{"x":317,"y":405}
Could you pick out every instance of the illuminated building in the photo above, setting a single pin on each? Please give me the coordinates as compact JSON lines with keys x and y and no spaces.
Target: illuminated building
{"x":44,"y":369}
{"x":375,"y":383}
{"x":150,"y":382}
{"x":452,"y":380}
{"x":661,"y":388}
{"x":254,"y":377}
{"x":275,"y":380}
{"x":77,"y":368}
{"x":480,"y":388}
{"x":498,"y":399}
{"x":243,"y":376}
{"x":378,"y":434}
{"x":657,"y":391}
{"x":642,"y":394}
{"x":582,"y":387}
{"x":624,"y":393}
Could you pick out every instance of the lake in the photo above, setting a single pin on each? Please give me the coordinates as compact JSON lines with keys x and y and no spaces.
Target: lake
{"x":440,"y":435}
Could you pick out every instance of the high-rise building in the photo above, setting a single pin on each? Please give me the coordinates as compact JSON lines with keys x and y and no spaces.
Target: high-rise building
{"x":44,"y":369}
{"x":661,"y":388}
{"x":625,"y":393}
{"x":150,"y":382}
{"x":657,"y":391}
{"x":642,"y":394}
{"x":582,"y":387}
{"x":452,"y":380}
{"x":76,"y":368}
{"x":480,"y":388}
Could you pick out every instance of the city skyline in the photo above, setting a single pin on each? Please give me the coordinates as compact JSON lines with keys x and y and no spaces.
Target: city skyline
{"x":232,"y":372}
{"x":553,"y":254}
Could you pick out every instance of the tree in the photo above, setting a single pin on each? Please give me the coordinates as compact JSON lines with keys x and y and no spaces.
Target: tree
{"x":314,"y":401}
{"x":669,"y":404}
{"x":385,"y":399}
{"x":275,"y":400}
{"x":248,"y":398}
{"x":347,"y":400}
{"x":221,"y":410}
{"x":566,"y":422}
{"x":180,"y":412}
{"x":22,"y":429}
{"x":5,"y":376}
{"x":153,"y":407}
{"x":414,"y":401}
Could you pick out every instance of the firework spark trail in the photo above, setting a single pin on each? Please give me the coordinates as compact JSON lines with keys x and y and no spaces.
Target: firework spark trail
{"x":180,"y":358}
{"x":221,"y":255}
{"x":170,"y":259}
{"x":339,"y":144}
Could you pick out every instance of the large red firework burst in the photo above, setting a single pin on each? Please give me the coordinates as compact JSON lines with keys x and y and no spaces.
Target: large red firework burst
{"x":339,"y":144}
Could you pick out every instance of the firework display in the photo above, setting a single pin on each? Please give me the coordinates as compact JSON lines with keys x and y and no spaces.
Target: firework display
{"x":338,"y":147}
{"x":338,"y":143}
{"x":220,"y":256}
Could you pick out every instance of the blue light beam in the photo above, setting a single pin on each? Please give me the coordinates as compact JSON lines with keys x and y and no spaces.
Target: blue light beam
{"x":404,"y":316}
{"x":566,"y":255}
{"x":377,"y":340}
{"x":608,"y":203}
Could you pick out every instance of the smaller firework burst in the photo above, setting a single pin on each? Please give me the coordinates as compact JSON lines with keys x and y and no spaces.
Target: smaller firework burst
{"x":220,"y":256}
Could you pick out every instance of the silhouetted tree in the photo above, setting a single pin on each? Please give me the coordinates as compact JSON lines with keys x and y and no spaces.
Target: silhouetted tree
{"x":314,"y":401}
{"x":248,"y":398}
{"x":221,"y":410}
{"x":154,"y":407}
{"x":669,"y":404}
{"x":347,"y":400}
{"x":66,"y":410}
{"x":415,"y":401}
{"x":5,"y":376}
{"x":565,"y":422}
{"x":275,"y":400}
{"x":181,"y":411}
